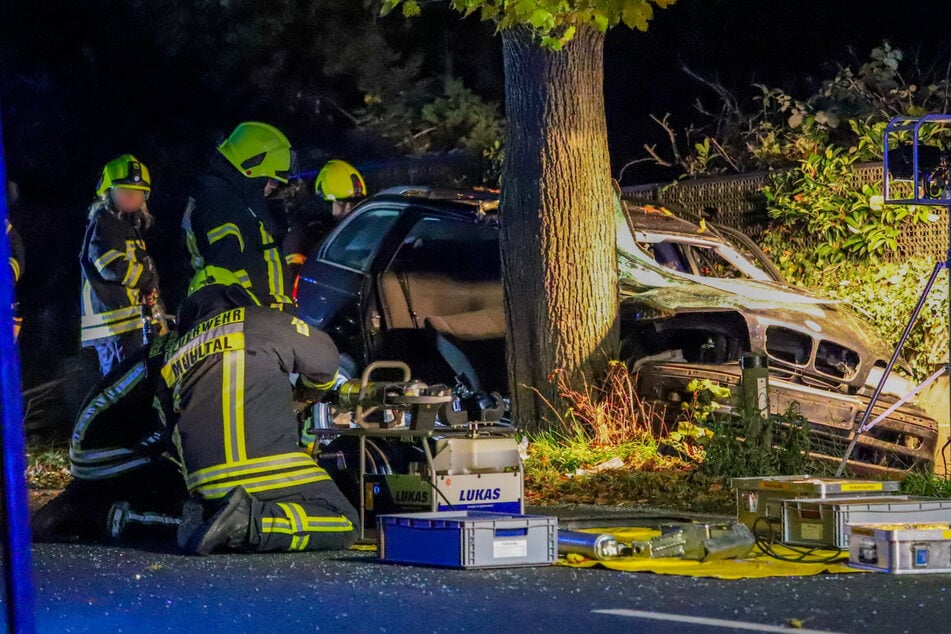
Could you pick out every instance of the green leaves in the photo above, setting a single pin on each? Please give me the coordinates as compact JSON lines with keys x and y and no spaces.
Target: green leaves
{"x":553,"y":21}
{"x":825,"y":219}
{"x":636,"y":14}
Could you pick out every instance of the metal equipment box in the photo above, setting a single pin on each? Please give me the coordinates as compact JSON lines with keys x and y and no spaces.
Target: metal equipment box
{"x":762,"y":497}
{"x":823,"y":522}
{"x":900,"y":549}
{"x":468,"y":539}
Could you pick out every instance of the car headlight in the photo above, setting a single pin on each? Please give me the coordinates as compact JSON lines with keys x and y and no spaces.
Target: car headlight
{"x":896,"y":385}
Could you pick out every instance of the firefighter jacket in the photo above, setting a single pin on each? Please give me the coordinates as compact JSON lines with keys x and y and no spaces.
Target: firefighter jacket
{"x":117,"y":273}
{"x":227,"y":224}
{"x":121,"y":425}
{"x":16,"y":253}
{"x":233,"y":418}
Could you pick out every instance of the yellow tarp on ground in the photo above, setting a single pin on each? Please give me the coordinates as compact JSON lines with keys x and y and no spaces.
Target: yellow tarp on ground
{"x":755,"y":566}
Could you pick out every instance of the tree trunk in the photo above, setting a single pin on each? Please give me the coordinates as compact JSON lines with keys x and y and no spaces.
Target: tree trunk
{"x":559,"y":262}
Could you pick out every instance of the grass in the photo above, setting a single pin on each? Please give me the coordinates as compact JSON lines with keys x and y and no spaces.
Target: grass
{"x":47,"y":468}
{"x":926,"y":484}
{"x":47,"y":461}
{"x":610,"y":447}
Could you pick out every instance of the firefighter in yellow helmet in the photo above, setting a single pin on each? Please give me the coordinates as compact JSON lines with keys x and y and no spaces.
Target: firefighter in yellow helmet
{"x":338,"y":183}
{"x":118,"y":274}
{"x":253,"y":488}
{"x":227,"y":222}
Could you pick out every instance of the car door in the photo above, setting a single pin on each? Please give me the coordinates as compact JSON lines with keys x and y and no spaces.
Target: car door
{"x":444,"y":266}
{"x":336,"y":280}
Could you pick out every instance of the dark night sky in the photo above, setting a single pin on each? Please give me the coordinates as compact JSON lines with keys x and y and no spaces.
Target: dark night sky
{"x":59,"y":132}
{"x":780,"y":43}
{"x":791,"y":45}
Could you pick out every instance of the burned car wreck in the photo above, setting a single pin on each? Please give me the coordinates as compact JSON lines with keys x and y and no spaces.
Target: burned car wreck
{"x":693,"y":301}
{"x":414,"y":274}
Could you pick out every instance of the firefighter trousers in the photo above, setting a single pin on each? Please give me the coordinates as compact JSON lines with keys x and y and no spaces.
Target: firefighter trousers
{"x":314,"y":516}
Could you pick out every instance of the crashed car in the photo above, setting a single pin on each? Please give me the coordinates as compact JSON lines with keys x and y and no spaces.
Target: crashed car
{"x":414,"y":274}
{"x":693,"y":301}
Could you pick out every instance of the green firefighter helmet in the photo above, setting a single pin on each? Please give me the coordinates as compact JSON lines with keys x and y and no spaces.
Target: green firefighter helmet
{"x":339,"y":180}
{"x":124,"y":172}
{"x":216,"y":275}
{"x":257,"y":149}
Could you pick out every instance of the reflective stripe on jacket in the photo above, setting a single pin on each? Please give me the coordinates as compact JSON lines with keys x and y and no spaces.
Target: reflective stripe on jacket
{"x":234,"y":422}
{"x":227,"y":224}
{"x":116,"y":271}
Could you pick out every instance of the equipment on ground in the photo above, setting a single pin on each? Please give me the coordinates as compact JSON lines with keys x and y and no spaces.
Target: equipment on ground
{"x":414,"y":447}
{"x":592,"y":545}
{"x":685,"y":540}
{"x":824,"y":522}
{"x":759,"y":500}
{"x":901,"y":548}
{"x":468,"y":539}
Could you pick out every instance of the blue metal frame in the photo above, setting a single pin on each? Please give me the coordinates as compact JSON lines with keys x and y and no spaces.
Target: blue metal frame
{"x":896,"y":127}
{"x":18,"y":584}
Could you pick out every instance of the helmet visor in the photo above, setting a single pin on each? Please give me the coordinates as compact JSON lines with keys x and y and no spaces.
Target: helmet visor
{"x":292,"y":170}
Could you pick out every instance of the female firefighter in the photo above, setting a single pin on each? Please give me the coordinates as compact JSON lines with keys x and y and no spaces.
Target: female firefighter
{"x":118,"y":275}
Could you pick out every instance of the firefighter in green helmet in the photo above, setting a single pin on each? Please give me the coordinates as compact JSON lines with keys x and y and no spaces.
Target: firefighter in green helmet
{"x":119,"y":276}
{"x":227,"y":222}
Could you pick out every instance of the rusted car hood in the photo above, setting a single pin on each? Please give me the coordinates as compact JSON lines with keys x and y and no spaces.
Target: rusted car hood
{"x":761,"y":302}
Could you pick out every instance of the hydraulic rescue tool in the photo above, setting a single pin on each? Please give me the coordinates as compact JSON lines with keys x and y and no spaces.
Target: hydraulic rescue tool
{"x":414,"y":447}
{"x":696,"y":541}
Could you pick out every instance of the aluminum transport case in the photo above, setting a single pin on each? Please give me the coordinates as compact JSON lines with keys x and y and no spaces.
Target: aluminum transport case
{"x":762,"y":497}
{"x":823,"y":522}
{"x":900,"y":549}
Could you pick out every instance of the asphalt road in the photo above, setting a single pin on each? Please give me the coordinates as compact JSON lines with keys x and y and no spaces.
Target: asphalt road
{"x":91,"y":588}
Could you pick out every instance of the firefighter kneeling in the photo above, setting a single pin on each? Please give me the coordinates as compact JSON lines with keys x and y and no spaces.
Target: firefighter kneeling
{"x":252,"y":487}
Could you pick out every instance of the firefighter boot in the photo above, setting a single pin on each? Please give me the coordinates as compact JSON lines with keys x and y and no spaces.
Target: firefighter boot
{"x":228,"y":527}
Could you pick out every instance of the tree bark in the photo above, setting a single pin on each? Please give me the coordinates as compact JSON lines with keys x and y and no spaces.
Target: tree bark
{"x":559,"y":262}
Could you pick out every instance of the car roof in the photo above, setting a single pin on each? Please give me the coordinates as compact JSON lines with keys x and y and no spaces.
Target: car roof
{"x":661,"y":218}
{"x":475,"y":203}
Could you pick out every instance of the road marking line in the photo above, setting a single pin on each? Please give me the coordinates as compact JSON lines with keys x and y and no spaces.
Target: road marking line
{"x":702,"y":620}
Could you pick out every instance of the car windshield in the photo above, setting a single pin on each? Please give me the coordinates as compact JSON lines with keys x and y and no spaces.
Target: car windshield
{"x":697,"y":256}
{"x":646,"y":255}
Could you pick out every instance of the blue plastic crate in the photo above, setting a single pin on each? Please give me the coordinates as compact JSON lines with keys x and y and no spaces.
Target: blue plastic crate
{"x":468,"y":539}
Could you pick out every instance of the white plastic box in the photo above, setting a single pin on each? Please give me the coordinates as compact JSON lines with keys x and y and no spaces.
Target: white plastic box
{"x":468,"y":539}
{"x":900,"y":548}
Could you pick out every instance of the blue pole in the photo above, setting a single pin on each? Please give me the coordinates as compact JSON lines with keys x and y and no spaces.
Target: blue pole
{"x":17,"y":564}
